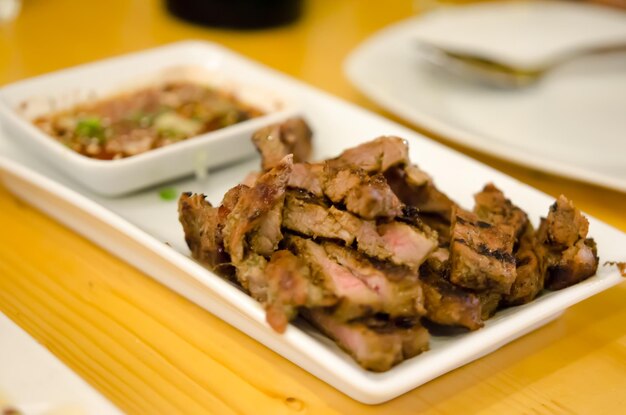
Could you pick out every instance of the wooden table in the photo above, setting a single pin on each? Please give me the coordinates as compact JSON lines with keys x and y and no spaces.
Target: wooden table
{"x":150,"y":351}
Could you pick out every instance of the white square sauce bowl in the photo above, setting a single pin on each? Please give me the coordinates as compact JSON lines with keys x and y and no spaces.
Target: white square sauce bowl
{"x":22,"y":102}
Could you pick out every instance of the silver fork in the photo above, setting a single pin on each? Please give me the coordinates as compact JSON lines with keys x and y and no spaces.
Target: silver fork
{"x":491,"y":72}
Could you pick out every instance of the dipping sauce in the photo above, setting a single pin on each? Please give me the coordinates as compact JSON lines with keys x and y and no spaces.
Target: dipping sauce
{"x":133,"y":123}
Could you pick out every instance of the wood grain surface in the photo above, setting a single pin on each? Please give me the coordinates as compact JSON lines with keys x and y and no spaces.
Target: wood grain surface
{"x":151,"y":351}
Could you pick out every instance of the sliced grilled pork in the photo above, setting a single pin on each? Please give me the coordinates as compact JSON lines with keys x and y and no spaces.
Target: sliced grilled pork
{"x":450,"y":305}
{"x":481,"y":254}
{"x":265,"y":238}
{"x":397,"y":288}
{"x":564,"y":226}
{"x":307,"y":176}
{"x":378,"y":155}
{"x":289,"y":287}
{"x":445,"y":303}
{"x":376,"y":347}
{"x":489,"y":302}
{"x":529,"y":280}
{"x":398,"y":242}
{"x":250,"y":273}
{"x":311,"y":216}
{"x":253,"y":210}
{"x":362,"y":287}
{"x":369,"y":197}
{"x":568,"y":256}
{"x":576,"y":264}
{"x":407,"y":245}
{"x":279,"y":140}
{"x":415,"y":188}
{"x":202,"y":227}
{"x":355,"y":295}
{"x":493,"y":207}
{"x":252,"y":227}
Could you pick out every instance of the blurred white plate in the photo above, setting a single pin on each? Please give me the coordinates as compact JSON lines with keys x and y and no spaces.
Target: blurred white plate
{"x":144,"y":230}
{"x":572,"y":123}
{"x":523,"y":33}
{"x":34,"y":381}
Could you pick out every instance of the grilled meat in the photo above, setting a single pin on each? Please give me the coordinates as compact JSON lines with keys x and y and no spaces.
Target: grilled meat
{"x":489,"y":302}
{"x":369,"y":197}
{"x":448,"y":304}
{"x":279,"y":140}
{"x":365,"y":246}
{"x":397,"y":288}
{"x":377,"y":346}
{"x":289,"y":287}
{"x":254,"y":209}
{"x":311,"y":216}
{"x":564,"y":226}
{"x":252,"y":226}
{"x":568,"y":256}
{"x":415,"y":188}
{"x":398,"y":242}
{"x":407,"y":245}
{"x":493,"y":207}
{"x":376,"y":156}
{"x":481,"y":254}
{"x":203,"y":234}
{"x":576,"y":264}
{"x":250,"y":273}
{"x":362,"y":287}
{"x":308,"y":177}
{"x":529,"y":279}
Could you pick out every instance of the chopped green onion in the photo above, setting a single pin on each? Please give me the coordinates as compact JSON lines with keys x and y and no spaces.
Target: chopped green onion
{"x":168,"y":193}
{"x":90,"y":127}
{"x":170,"y":133}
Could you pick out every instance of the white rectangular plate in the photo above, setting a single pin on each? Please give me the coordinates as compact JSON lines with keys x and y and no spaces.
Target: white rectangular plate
{"x":137,"y":226}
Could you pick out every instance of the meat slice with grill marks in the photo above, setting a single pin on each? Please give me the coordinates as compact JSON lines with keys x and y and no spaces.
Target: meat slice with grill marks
{"x":311,"y":216}
{"x":568,"y":255}
{"x":407,"y":245}
{"x":276,"y":141}
{"x":376,"y":156}
{"x":564,"y":226}
{"x":252,"y":227}
{"x":481,"y":254}
{"x":397,"y":288}
{"x":493,"y":207}
{"x":202,"y":226}
{"x":290,"y":287}
{"x":362,"y":286}
{"x":577,"y":263}
{"x":254,"y":209}
{"x":250,"y":273}
{"x":445,"y":303}
{"x":308,"y":177}
{"x":416,"y":188}
{"x":375,"y":345}
{"x":369,"y":197}
{"x":529,"y":279}
{"x":398,"y":242}
{"x":356,"y":296}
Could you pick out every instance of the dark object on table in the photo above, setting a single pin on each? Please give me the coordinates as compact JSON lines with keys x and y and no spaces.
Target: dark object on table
{"x":237,"y":14}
